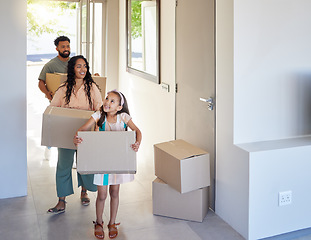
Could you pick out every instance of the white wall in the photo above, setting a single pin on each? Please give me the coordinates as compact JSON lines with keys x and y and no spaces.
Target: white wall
{"x":272,"y":69}
{"x":263,"y":77}
{"x":13,"y":170}
{"x":278,"y":166}
{"x":231,"y":163}
{"x":152,"y":108}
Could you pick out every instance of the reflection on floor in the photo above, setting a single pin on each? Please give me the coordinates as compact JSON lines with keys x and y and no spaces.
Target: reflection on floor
{"x":26,"y":217}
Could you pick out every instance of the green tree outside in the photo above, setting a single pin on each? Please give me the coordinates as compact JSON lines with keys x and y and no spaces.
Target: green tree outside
{"x":38,"y":24}
{"x":136,"y":19}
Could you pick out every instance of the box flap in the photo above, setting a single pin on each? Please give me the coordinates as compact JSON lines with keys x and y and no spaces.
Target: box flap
{"x":56,"y":73}
{"x":64,"y":74}
{"x":158,"y":180}
{"x":180,"y":149}
{"x":73,"y":113}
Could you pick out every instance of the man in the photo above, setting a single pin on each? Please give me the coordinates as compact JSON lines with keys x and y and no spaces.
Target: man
{"x":57,"y":64}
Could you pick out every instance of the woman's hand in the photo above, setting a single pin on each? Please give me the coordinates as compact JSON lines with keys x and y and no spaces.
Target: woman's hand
{"x":77,"y":140}
{"x":135,"y":146}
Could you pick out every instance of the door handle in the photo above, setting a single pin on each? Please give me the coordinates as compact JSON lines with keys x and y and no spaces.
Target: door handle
{"x":210,"y":102}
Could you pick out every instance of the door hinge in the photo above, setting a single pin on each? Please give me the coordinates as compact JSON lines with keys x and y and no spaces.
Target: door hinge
{"x":176,"y":88}
{"x":176,"y":2}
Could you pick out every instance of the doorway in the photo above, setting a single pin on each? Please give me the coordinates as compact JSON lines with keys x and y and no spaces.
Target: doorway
{"x":84,"y":23}
{"x":91,"y":33}
{"x":45,"y":21}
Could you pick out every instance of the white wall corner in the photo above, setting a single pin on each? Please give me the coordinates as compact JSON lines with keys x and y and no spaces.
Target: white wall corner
{"x":13,"y":147}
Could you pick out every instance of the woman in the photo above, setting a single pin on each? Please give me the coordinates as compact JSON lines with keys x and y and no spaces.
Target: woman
{"x":78,"y":92}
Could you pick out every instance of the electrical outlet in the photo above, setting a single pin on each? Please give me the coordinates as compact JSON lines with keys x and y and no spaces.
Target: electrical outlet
{"x":285,"y":198}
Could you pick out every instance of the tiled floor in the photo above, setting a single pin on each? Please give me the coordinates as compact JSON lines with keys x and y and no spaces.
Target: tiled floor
{"x":26,"y":218}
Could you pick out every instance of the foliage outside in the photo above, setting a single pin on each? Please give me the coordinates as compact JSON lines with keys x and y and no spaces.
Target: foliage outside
{"x":39,"y":23}
{"x":136,"y":19}
{"x":42,"y":17}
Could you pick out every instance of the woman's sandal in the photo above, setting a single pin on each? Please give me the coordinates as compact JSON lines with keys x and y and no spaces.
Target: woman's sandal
{"x":85,"y":201}
{"x":99,"y":230}
{"x":55,"y":210}
{"x":113,"y":231}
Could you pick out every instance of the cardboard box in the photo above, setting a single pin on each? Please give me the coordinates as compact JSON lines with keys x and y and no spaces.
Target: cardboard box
{"x":181,"y":165}
{"x":59,"y":126}
{"x":106,"y":152}
{"x":168,"y":202}
{"x":101,"y":82}
{"x":54,"y":80}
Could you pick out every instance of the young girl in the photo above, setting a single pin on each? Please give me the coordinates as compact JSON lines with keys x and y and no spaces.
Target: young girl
{"x":113,"y":116}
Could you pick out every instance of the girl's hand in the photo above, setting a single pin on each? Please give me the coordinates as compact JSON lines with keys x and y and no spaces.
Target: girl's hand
{"x":77,"y":140}
{"x":135,"y":146}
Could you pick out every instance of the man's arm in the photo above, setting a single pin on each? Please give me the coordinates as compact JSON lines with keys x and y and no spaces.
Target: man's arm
{"x":43,"y":88}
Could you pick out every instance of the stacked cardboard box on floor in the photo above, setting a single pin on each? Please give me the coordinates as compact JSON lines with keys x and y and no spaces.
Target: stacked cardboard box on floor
{"x":54,"y":80}
{"x":183,"y":172}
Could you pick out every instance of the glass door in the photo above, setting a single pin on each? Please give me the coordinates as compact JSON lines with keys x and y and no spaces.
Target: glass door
{"x":91,"y":33}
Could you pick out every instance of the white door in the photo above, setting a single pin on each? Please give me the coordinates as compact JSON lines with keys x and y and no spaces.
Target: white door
{"x":91,"y":33}
{"x":195,"y":78}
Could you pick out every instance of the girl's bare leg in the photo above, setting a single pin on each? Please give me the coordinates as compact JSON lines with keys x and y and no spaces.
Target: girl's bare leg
{"x":100,"y":203}
{"x":114,"y":202}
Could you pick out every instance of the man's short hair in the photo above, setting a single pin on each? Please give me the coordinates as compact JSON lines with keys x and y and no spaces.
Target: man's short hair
{"x":60,"y":39}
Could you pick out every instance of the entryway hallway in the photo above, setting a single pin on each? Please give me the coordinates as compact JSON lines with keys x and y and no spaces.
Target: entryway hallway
{"x":26,"y":217}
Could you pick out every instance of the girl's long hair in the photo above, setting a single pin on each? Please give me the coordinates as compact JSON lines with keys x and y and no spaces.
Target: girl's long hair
{"x":70,"y":82}
{"x":104,"y":114}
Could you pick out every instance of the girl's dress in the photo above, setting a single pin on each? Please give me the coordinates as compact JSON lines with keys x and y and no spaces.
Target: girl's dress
{"x":120,"y":125}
